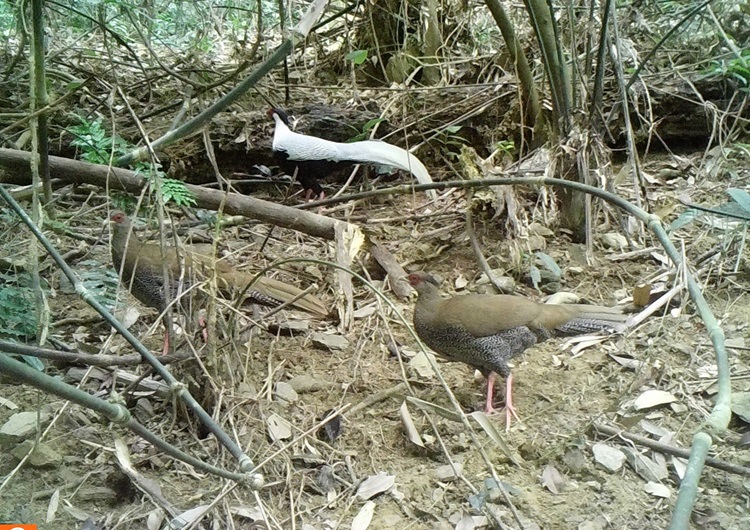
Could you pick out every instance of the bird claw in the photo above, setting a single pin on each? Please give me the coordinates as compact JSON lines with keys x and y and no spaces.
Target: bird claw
{"x":311,"y":196}
{"x":203,"y":325}
{"x":509,"y":410}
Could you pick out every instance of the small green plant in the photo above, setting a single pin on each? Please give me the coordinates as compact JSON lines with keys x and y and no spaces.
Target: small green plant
{"x":451,"y":140}
{"x":366,"y":130}
{"x":122,"y":201}
{"x":736,"y":69}
{"x":358,"y":57}
{"x":172,"y":190}
{"x":740,"y":149}
{"x":17,"y":314}
{"x":95,"y":144}
{"x":736,"y":209}
{"x":101,"y":282}
{"x":175,"y":191}
{"x":7,"y":19}
{"x":506,"y":147}
{"x":544,"y":268}
{"x":97,"y":147}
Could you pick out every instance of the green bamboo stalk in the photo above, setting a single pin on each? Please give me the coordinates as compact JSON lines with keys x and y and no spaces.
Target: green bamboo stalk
{"x":115,"y":413}
{"x":285,"y":48}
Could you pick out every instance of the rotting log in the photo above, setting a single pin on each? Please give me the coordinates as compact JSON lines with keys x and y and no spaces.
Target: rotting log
{"x":15,"y":168}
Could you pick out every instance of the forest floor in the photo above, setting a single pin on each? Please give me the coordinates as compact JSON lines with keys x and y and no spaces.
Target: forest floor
{"x":557,"y":475}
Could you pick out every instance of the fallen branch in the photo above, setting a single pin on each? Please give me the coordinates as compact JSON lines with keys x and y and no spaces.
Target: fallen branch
{"x":670,"y":449}
{"x":373,"y":399}
{"x":392,"y":267}
{"x":16,"y":165}
{"x":101,"y":360}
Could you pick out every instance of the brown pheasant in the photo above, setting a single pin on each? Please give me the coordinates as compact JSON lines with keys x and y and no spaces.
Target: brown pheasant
{"x":485,"y":331}
{"x":140,"y":266}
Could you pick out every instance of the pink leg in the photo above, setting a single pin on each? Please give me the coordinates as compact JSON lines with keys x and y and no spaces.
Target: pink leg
{"x":309,"y":197}
{"x":488,"y":408}
{"x":166,"y":343}
{"x":320,"y":197}
{"x":509,"y":410}
{"x":203,"y":325}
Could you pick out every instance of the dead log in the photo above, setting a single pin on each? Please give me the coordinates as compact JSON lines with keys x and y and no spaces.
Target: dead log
{"x":15,"y":168}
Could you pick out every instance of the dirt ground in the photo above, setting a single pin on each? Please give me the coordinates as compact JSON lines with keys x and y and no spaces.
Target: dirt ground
{"x":554,"y":472}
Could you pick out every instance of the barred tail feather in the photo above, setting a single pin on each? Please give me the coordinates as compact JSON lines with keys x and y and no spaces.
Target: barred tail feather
{"x":286,"y":292}
{"x":593,"y":319}
{"x":582,"y":326}
{"x":272,"y":293}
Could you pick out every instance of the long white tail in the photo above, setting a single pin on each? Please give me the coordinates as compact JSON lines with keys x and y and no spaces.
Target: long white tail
{"x":386,"y":154}
{"x":303,"y":147}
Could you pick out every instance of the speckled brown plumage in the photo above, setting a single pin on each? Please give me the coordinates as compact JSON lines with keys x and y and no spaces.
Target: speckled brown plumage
{"x":141,"y":267}
{"x":486,"y":331}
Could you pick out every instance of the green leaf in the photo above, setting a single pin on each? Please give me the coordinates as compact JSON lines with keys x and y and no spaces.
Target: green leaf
{"x":101,"y":282}
{"x":739,"y":78}
{"x":94,"y":142}
{"x":18,"y":317}
{"x":370,"y":125}
{"x":549,"y":264}
{"x":741,"y":197}
{"x":357,"y":56}
{"x":175,"y":191}
{"x":365,"y":130}
{"x":35,"y":362}
{"x":536,"y":276}
{"x":505,"y":146}
{"x":685,"y":219}
{"x":73,"y":85}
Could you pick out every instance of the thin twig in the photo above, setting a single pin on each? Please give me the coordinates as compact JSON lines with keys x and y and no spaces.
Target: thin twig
{"x":100,"y":359}
{"x":372,"y":399}
{"x":670,"y":449}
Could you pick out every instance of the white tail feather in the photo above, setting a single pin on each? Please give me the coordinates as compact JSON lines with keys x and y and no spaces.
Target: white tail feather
{"x":387,"y":155}
{"x":302,"y":147}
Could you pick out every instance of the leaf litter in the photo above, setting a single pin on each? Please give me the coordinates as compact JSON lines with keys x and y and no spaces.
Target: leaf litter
{"x":556,"y":403}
